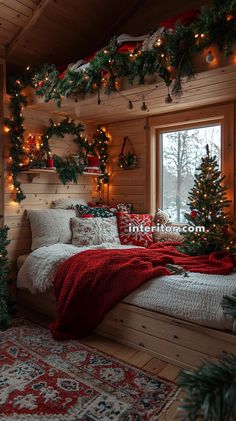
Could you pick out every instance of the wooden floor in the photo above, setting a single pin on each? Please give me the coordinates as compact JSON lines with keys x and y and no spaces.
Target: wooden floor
{"x":137,"y":358}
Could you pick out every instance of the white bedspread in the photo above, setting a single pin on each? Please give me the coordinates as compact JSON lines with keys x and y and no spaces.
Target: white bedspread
{"x":195,"y":298}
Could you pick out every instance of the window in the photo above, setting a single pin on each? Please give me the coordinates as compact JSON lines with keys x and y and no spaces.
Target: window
{"x":180,"y":153}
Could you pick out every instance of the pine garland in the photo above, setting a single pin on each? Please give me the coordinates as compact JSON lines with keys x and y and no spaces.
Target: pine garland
{"x":16,"y":132}
{"x":4,"y":294}
{"x":101,"y":140}
{"x":172,"y":58}
{"x":210,"y":391}
{"x":67,"y":169}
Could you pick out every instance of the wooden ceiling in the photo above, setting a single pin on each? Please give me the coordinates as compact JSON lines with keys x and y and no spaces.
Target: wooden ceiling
{"x":63,"y":31}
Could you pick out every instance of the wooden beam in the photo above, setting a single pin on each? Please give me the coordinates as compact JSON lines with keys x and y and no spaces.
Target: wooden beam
{"x":35,"y":16}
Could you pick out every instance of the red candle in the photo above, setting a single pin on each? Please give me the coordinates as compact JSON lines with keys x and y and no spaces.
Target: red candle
{"x":50,"y":162}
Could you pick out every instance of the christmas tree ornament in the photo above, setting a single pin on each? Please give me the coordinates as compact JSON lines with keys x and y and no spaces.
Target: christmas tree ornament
{"x":193,"y":214}
{"x":225,"y":229}
{"x":209,"y":57}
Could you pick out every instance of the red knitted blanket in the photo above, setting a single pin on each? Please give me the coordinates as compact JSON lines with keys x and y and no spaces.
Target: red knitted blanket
{"x":90,"y":283}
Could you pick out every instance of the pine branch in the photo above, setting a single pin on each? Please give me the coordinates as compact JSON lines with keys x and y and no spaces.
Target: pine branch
{"x":210,"y":391}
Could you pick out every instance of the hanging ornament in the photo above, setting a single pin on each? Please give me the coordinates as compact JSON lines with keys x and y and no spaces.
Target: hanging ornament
{"x":193,"y":214}
{"x":130,"y":105}
{"x":209,"y":57}
{"x":99,"y":99}
{"x":144,"y":106}
{"x":169,"y":98}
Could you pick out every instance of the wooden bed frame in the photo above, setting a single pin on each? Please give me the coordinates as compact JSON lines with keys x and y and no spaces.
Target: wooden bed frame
{"x":173,"y":340}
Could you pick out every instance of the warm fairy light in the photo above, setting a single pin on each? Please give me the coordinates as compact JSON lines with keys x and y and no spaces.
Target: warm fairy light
{"x":202,"y":35}
{"x":229,"y":17}
{"x":196,"y":35}
{"x":6,"y":129}
{"x":28,"y":68}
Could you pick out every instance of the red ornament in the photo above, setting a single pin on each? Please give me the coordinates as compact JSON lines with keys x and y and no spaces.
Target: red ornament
{"x":193,"y":214}
{"x":225,"y":229}
{"x":41,"y":83}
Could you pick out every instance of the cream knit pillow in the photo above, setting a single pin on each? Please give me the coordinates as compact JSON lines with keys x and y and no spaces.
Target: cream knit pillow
{"x":50,"y":226}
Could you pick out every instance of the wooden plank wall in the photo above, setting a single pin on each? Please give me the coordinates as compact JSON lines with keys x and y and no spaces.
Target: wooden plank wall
{"x":128,"y":185}
{"x":42,"y":190}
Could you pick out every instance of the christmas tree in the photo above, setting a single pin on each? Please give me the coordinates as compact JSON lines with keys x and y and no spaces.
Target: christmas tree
{"x":4,"y":294}
{"x":207,"y":202}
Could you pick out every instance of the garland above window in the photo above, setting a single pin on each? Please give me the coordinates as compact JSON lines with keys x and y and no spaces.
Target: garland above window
{"x":169,"y":52}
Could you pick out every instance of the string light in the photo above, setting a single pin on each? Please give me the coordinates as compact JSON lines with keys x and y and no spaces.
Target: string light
{"x":130,"y":105}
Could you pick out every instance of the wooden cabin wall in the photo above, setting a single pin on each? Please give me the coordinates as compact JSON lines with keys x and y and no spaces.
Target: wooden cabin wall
{"x":128,"y":185}
{"x":42,"y":190}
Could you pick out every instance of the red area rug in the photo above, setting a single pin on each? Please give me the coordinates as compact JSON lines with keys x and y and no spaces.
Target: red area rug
{"x":45,"y":380}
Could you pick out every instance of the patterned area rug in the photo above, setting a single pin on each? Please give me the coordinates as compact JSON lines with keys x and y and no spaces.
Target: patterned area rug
{"x":45,"y":380}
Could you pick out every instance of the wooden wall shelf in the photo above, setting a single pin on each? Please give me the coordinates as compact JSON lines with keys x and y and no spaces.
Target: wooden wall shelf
{"x":36,"y":172}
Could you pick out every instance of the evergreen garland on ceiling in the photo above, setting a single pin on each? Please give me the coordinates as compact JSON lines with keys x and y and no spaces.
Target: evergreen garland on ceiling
{"x":171,"y":57}
{"x":4,"y":294}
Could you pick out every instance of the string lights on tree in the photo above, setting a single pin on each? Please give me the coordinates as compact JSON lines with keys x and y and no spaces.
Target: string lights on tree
{"x":208,"y":203}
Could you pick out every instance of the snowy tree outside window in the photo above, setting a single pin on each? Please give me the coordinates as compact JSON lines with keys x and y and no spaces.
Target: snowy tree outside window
{"x":181,"y":153}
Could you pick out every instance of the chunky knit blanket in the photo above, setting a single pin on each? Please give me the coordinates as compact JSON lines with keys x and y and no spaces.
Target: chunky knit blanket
{"x":89,"y":284}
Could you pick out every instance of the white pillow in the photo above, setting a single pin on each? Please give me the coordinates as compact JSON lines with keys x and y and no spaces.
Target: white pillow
{"x":50,"y":226}
{"x":67,"y":203}
{"x":94,"y":231}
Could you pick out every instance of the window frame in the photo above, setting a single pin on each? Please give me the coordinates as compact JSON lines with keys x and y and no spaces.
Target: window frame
{"x":204,"y":116}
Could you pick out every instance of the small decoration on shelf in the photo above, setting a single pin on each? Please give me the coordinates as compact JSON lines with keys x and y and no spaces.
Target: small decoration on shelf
{"x":127,"y":157}
{"x":50,"y":162}
{"x":92,"y":165}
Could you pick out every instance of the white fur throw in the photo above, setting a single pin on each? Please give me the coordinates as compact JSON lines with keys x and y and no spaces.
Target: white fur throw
{"x":94,"y":231}
{"x":50,"y":226}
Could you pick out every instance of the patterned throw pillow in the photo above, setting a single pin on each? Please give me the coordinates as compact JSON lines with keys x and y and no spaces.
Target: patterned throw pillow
{"x":98,"y":212}
{"x":94,"y":231}
{"x":136,"y":221}
{"x":120,"y":207}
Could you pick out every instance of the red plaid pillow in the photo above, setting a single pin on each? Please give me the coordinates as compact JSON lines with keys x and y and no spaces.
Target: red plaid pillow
{"x":135,"y":229}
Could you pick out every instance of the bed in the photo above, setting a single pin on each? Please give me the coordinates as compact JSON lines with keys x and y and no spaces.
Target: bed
{"x":177,"y":318}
